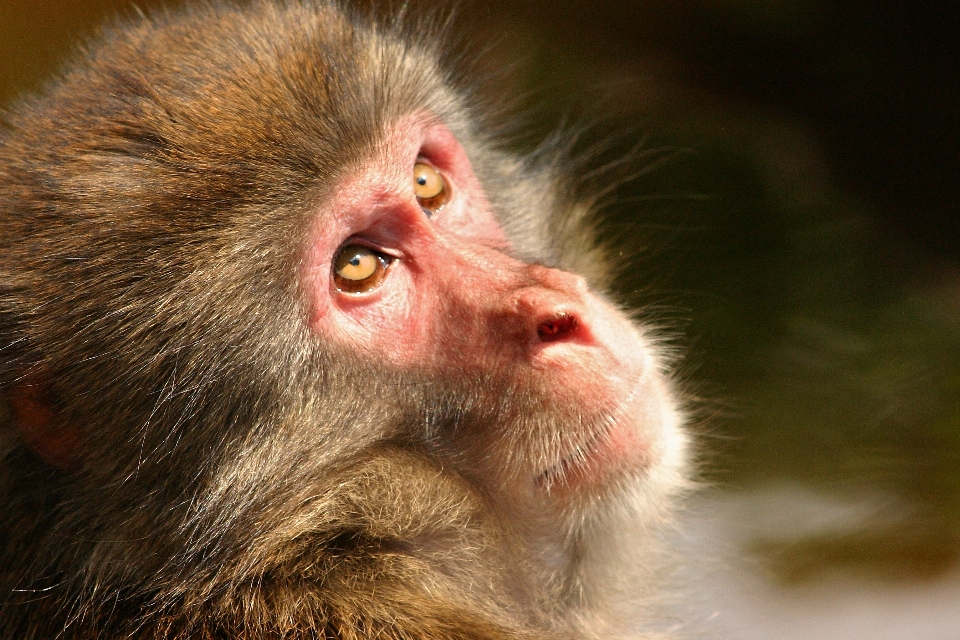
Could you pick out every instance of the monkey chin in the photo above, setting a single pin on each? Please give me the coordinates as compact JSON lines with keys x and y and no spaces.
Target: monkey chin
{"x":592,"y":465}
{"x":643,"y":437}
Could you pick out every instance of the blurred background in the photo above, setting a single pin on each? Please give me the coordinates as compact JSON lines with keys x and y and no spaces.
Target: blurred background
{"x":793,"y":217}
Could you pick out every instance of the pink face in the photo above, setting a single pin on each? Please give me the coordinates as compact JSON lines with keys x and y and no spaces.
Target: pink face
{"x":408,"y":264}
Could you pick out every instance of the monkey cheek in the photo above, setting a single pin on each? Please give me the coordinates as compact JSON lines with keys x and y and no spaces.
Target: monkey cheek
{"x":389,"y":325}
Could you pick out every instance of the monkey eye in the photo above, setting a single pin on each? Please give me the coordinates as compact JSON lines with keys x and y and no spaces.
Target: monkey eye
{"x":429,"y":187}
{"x":358,"y":269}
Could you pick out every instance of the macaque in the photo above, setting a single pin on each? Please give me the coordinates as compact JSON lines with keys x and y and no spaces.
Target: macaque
{"x":291,"y":348}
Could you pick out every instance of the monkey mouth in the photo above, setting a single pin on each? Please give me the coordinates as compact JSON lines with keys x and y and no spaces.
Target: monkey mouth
{"x":585,"y":462}
{"x":619,"y":441}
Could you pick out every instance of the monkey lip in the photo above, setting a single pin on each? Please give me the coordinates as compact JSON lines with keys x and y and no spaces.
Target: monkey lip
{"x":620,"y":441}
{"x":591,"y":462}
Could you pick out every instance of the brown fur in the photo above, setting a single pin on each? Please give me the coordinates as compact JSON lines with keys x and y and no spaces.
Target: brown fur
{"x":230,"y":477}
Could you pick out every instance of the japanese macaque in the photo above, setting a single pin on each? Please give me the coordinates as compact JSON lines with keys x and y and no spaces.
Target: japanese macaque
{"x":290,"y":348}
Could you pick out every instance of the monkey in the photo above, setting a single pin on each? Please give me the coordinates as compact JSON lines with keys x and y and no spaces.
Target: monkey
{"x":293,"y":346}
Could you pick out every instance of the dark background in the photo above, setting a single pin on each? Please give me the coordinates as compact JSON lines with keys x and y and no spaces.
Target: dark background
{"x":795,"y":223}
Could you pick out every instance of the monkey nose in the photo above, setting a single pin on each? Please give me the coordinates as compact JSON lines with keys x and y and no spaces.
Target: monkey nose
{"x":554,"y":308}
{"x":557,"y":327}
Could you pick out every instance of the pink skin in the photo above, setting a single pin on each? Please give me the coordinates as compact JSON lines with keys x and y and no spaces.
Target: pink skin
{"x":455,"y":299}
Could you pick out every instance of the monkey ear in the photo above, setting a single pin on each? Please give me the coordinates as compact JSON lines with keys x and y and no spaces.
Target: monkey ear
{"x":40,"y":427}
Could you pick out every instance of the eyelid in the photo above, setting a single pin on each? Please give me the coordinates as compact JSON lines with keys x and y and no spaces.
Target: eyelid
{"x":392,"y":254}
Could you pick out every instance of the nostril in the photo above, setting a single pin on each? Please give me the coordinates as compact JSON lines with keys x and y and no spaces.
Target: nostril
{"x":557,"y":327}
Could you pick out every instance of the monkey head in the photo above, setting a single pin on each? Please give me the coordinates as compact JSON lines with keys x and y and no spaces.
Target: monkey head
{"x":291,"y":346}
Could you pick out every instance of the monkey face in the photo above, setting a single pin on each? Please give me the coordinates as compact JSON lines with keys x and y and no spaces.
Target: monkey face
{"x":556,"y":396}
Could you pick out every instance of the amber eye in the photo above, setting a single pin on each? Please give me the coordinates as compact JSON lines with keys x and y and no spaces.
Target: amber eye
{"x":358,"y":269}
{"x":429,"y":187}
